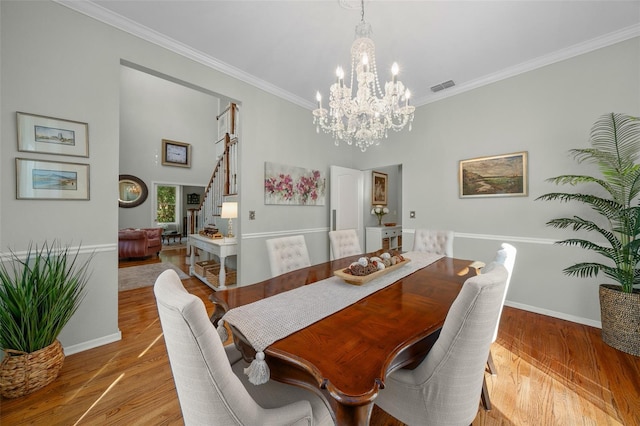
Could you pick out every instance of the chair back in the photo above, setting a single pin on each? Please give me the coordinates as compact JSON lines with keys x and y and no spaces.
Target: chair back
{"x":434,"y":241}
{"x":505,"y":256}
{"x":344,"y":242}
{"x":287,"y":254}
{"x":445,"y":388}
{"x":208,"y":390}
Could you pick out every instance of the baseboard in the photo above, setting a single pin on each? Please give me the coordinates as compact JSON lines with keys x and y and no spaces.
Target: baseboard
{"x":81,"y":347}
{"x":554,"y":314}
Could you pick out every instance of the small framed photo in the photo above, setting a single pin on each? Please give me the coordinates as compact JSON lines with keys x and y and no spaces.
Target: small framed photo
{"x":51,"y":180}
{"x":48,"y":135}
{"x":176,"y":153}
{"x":379,"y":187}
{"x":496,"y":176}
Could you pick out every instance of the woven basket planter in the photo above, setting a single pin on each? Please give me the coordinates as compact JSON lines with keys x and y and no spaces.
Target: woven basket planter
{"x":22,"y":373}
{"x":620,"y":315}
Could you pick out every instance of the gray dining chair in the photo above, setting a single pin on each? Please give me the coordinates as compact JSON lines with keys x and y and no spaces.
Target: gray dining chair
{"x":287,"y":254}
{"x":445,"y":388}
{"x":344,"y":242}
{"x":505,"y":256}
{"x":434,"y":241}
{"x":211,"y":385}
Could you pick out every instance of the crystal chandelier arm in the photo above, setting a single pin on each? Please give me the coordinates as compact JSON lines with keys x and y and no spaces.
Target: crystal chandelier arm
{"x":364,"y":119}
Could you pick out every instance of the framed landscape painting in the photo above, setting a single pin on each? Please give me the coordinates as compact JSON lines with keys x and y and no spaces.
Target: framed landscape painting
{"x":51,"y":180}
{"x":37,"y":133}
{"x":496,"y":176}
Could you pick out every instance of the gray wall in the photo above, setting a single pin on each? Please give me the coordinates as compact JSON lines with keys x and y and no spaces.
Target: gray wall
{"x":151,"y":109}
{"x":85,"y":86}
{"x":394,"y":195}
{"x":544,"y":112}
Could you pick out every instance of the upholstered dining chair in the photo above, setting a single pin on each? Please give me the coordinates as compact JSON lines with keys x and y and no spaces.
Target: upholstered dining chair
{"x":287,"y":254}
{"x":505,"y":256}
{"x":344,"y":242}
{"x":434,"y":241}
{"x":444,"y":389}
{"x":212,"y":388}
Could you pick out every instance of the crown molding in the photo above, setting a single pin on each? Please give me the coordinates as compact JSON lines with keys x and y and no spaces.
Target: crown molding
{"x":542,"y":61}
{"x":101,"y":14}
{"x":115,"y":20}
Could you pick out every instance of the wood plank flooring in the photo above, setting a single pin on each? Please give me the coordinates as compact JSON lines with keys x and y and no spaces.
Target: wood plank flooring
{"x":550,"y":372}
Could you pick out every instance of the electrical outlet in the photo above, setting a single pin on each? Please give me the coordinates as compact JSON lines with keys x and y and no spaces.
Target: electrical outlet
{"x":412,"y":214}
{"x":252,"y":215}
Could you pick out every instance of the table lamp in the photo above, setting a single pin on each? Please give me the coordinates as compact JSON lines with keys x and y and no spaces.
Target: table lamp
{"x":229,"y":211}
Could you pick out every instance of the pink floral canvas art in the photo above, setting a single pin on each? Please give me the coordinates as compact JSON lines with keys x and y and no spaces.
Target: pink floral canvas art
{"x":292,"y":185}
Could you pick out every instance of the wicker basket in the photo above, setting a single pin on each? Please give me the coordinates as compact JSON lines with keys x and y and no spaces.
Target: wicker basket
{"x":201,"y":268}
{"x":620,"y":318}
{"x":213,"y":276}
{"x":22,"y":373}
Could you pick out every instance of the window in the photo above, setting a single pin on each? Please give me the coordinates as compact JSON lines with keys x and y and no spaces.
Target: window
{"x":167,"y":202}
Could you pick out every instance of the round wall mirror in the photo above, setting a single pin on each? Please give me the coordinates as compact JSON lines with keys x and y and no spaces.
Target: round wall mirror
{"x":132,"y":191}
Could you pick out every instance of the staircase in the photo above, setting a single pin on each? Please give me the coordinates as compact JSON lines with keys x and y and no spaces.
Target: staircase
{"x":223,"y":183}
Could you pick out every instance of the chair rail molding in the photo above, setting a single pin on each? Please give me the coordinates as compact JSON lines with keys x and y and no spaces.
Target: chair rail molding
{"x":493,"y":237}
{"x":271,"y":234}
{"x":83,"y":250}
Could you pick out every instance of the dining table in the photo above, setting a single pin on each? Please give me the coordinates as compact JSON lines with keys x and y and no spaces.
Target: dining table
{"x":346,"y":357}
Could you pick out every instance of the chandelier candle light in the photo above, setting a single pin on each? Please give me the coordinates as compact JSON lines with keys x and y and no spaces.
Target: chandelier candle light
{"x":379,"y":211}
{"x":365,"y":118}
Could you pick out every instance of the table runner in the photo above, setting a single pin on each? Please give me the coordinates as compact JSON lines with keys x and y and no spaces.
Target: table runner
{"x":268,"y":320}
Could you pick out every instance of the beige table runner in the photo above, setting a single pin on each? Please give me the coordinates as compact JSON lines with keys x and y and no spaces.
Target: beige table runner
{"x":268,"y":320}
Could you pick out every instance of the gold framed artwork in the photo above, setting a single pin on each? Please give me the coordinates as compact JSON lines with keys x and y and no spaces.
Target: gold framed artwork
{"x":51,"y":180}
{"x":495,"y":176}
{"x":49,"y":135}
{"x":379,"y":188}
{"x":176,"y":153}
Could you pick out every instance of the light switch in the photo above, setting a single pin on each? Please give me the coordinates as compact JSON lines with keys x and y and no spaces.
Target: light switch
{"x":252,"y":215}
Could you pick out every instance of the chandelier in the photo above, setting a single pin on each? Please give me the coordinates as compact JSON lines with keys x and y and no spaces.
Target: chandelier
{"x":367,"y":117}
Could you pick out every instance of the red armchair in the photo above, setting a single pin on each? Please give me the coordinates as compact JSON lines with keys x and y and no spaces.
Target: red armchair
{"x":139,"y":242}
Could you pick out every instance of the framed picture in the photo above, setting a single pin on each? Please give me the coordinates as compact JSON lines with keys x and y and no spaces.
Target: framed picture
{"x":193,"y":198}
{"x":51,"y":180}
{"x":176,"y":153}
{"x":291,"y":185}
{"x":497,"y":176}
{"x":227,"y":121}
{"x":379,"y":188}
{"x":37,"y":133}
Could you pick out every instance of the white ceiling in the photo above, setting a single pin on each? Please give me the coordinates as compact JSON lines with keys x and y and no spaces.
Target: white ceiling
{"x":291,"y":48}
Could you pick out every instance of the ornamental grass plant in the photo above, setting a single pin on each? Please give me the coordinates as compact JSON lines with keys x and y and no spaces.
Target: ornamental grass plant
{"x":39,"y":293}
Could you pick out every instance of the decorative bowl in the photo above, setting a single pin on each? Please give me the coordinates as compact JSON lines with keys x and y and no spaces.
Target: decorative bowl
{"x":359,"y":280}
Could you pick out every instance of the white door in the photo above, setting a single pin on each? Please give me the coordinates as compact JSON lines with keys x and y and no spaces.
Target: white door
{"x":347,"y":196}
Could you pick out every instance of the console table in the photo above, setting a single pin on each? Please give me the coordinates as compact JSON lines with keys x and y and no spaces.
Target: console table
{"x":383,"y":238}
{"x":221,"y":247}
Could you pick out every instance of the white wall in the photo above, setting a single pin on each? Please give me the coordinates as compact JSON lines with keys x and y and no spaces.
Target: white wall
{"x":152,"y":109}
{"x":545,"y":112}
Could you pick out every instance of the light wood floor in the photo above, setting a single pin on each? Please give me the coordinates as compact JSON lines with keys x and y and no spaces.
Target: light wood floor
{"x":550,"y":372}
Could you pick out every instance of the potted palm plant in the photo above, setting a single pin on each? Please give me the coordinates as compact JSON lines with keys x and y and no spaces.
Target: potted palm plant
{"x":613,"y":196}
{"x":39,"y":292}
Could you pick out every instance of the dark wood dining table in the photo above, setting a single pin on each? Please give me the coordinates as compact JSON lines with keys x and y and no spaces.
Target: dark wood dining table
{"x":346,"y":357}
